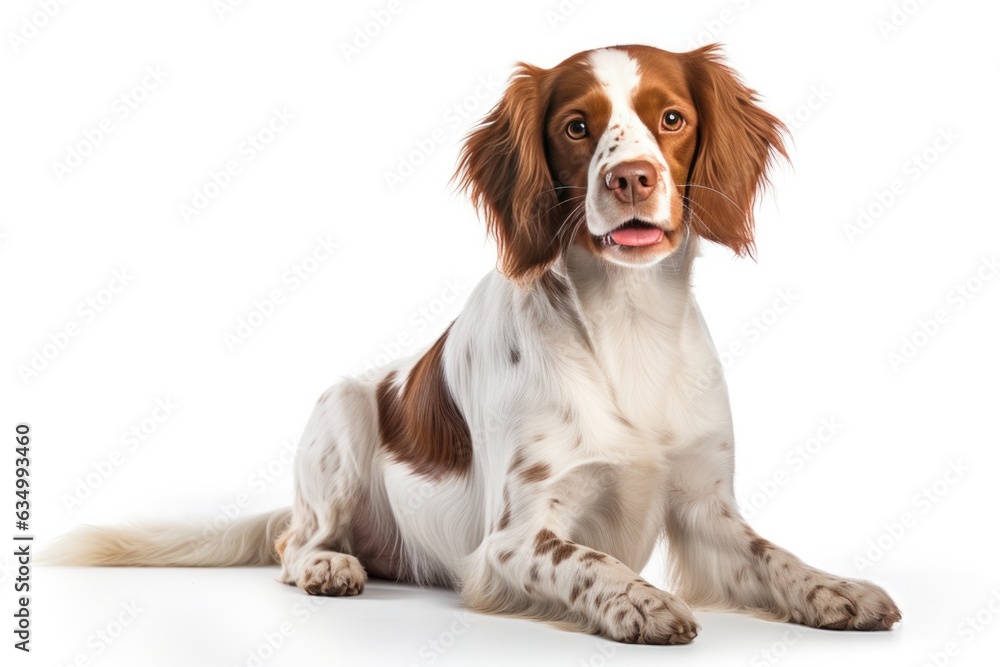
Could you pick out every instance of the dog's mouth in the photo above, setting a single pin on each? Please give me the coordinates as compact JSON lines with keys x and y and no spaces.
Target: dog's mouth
{"x":635,"y":233}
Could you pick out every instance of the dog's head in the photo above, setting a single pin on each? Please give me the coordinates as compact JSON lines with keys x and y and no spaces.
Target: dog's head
{"x":617,"y":150}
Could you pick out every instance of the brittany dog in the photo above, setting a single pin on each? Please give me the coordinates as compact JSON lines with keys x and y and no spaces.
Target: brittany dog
{"x":574,"y":413}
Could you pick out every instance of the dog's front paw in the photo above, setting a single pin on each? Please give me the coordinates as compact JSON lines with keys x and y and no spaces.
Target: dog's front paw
{"x":332,"y":573}
{"x":841,"y":604}
{"x":643,"y":614}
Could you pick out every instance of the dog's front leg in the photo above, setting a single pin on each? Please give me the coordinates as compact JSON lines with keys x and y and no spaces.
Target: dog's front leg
{"x":721,"y":562}
{"x":529,"y":566}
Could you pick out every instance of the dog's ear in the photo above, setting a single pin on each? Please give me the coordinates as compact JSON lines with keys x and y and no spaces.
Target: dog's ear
{"x":504,"y":169}
{"x":737,"y":141}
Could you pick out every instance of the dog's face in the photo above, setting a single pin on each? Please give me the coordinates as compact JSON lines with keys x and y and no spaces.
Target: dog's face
{"x":616,"y":150}
{"x":621,"y":144}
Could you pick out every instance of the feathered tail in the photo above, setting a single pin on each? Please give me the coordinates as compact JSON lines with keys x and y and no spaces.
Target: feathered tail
{"x":245,"y":542}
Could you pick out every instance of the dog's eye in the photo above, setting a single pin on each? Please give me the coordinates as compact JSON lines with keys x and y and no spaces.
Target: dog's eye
{"x":577,"y":129}
{"x":672,"y":121}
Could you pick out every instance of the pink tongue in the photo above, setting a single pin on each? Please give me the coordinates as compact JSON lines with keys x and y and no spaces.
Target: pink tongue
{"x":637,"y":236}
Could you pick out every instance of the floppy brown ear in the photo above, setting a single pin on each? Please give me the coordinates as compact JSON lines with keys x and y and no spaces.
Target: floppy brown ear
{"x":503,"y":167}
{"x":736,"y":143}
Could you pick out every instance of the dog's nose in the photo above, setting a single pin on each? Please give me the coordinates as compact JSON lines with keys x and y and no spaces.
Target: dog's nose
{"x":632,"y":181}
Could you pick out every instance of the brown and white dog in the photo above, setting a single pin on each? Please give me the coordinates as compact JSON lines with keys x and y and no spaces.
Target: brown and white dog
{"x":573,"y":414}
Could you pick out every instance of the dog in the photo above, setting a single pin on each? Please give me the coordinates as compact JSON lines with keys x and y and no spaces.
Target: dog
{"x":573,"y":414}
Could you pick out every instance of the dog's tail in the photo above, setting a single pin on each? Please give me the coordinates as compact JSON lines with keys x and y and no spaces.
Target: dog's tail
{"x":243,"y":542}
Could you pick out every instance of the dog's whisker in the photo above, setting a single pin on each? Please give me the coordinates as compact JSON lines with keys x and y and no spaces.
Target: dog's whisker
{"x":718,"y":192}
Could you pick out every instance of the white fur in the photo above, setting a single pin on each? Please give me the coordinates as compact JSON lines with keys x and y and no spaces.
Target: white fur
{"x":618,"y":74}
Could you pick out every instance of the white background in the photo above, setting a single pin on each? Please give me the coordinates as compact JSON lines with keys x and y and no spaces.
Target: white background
{"x":863,"y":98}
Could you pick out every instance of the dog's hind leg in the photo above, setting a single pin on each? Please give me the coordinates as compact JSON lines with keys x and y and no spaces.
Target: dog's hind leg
{"x":333,"y":469}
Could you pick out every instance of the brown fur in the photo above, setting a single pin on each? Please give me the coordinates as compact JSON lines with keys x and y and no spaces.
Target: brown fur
{"x":545,"y":541}
{"x":536,"y":473}
{"x":591,"y":556}
{"x":736,"y":142}
{"x":562,"y":552}
{"x":759,"y":547}
{"x":421,"y":425}
{"x":503,"y":166}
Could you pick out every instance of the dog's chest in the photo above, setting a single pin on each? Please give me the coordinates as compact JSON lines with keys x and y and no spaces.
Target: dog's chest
{"x":661,"y":376}
{"x":635,"y":417}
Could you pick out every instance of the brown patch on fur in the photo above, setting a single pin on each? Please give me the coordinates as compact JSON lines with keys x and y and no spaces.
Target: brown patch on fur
{"x":505,"y":556}
{"x":726,"y":513}
{"x":536,"y":473}
{"x":505,"y":516}
{"x":421,"y":425}
{"x":545,"y":541}
{"x":579,"y":587}
{"x":515,"y":356}
{"x":533,"y":573}
{"x":759,"y":546}
{"x":812,"y":594}
{"x":590,"y":557}
{"x":563,"y":551}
